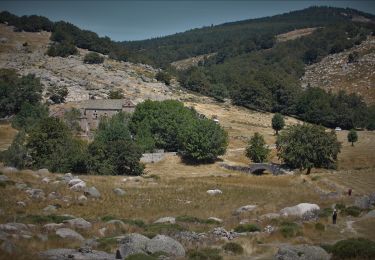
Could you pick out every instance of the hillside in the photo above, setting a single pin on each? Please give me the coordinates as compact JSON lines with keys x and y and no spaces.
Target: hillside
{"x":335,"y":73}
{"x":82,"y":80}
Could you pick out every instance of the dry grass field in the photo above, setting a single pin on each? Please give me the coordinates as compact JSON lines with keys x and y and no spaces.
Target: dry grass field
{"x":172,"y":188}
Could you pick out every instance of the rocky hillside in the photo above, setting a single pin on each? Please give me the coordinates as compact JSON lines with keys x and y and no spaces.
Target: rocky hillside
{"x":25,"y":52}
{"x":335,"y":73}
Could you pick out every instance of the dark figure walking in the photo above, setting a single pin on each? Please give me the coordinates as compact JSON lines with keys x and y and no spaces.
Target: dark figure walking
{"x":334,"y":216}
{"x":350,"y":192}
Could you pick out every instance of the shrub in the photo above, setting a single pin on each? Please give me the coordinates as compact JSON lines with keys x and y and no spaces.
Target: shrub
{"x":352,"y":136}
{"x":93,"y":58}
{"x":340,"y":206}
{"x":326,"y":212}
{"x":57,"y":94}
{"x":135,"y":222}
{"x":204,"y":254}
{"x":107,"y":243}
{"x":256,"y":150}
{"x":247,"y":228}
{"x":234,"y":248}
{"x":163,"y":77}
{"x":159,"y":228}
{"x":278,"y":122}
{"x":352,"y":211}
{"x":116,"y":94}
{"x":358,"y":248}
{"x":62,"y":50}
{"x":320,"y":226}
{"x":289,"y":229}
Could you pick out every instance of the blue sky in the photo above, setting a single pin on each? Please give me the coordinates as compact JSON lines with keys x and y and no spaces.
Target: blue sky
{"x":135,"y":20}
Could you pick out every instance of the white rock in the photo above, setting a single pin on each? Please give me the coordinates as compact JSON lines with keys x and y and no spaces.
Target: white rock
{"x":74,"y":182}
{"x":299,"y":209}
{"x":46,"y":180}
{"x":246,"y":208}
{"x":216,"y":219}
{"x":69,"y":234}
{"x":79,"y":223}
{"x":82,"y":198}
{"x":79,"y":186}
{"x":21,"y":204}
{"x":170,"y":220}
{"x":214,"y":192}
{"x":52,"y":226}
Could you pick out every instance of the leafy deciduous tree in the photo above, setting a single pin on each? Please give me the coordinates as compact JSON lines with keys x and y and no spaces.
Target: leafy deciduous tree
{"x":256,"y":150}
{"x":352,"y":136}
{"x":278,"y":122}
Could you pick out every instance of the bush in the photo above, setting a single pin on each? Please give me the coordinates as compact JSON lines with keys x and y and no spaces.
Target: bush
{"x":358,"y":248}
{"x":116,"y":94}
{"x":352,"y":211}
{"x":320,"y":226}
{"x":62,"y":50}
{"x":93,"y":58}
{"x":204,"y":254}
{"x":163,"y":77}
{"x":326,"y":212}
{"x":278,"y":122}
{"x":256,"y":150}
{"x":340,"y":206}
{"x":57,"y":94}
{"x":234,"y":248}
{"x":247,"y":228}
{"x":289,"y":229}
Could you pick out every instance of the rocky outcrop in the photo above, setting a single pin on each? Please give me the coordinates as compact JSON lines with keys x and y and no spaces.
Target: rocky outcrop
{"x":301,"y":252}
{"x":299,"y":210}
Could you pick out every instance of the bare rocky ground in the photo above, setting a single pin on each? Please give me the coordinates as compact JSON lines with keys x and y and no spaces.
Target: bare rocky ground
{"x":335,"y":73}
{"x":82,"y":80}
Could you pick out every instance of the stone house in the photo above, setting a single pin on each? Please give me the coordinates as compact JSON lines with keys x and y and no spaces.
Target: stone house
{"x":93,"y":109}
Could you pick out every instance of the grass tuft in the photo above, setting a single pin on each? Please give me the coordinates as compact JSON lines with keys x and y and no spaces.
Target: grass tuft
{"x":247,"y":228}
{"x":289,"y":229}
{"x":233,"y":248}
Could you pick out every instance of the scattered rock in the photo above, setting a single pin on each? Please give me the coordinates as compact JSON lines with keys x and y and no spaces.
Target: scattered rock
{"x":299,"y":252}
{"x":132,"y":244}
{"x":13,"y":227}
{"x":75,"y":181}
{"x":50,"y":209}
{"x":269,"y":229}
{"x":218,"y":220}
{"x":166,"y":244}
{"x":4,"y":178}
{"x":79,"y":223}
{"x":21,"y":204}
{"x":82,"y":198}
{"x":69,"y":234}
{"x":312,"y":215}
{"x":53,"y":195}
{"x":191,"y":236}
{"x":46,"y":180}
{"x":299,"y":209}
{"x":21,"y":186}
{"x":92,"y":192}
{"x":119,"y":192}
{"x":269,"y":216}
{"x":52,"y":226}
{"x":43,"y":172}
{"x":36,"y":193}
{"x":67,"y":177}
{"x":222,"y":233}
{"x":170,"y":220}
{"x":363,"y":202}
{"x":214,"y":192}
{"x":81,"y":254}
{"x":245,"y":209}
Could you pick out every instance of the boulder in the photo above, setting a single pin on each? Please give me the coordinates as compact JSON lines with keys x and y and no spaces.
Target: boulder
{"x":4,"y":178}
{"x":82,"y":198}
{"x":299,"y":252}
{"x":67,"y":177}
{"x":92,"y":192}
{"x":21,"y":186}
{"x":79,"y":223}
{"x":43,"y":172}
{"x":9,"y":170}
{"x":214,"y":192}
{"x":69,"y":234}
{"x":74,"y":181}
{"x":79,"y":186}
{"x":166,"y":244}
{"x":363,"y":202}
{"x":370,"y":214}
{"x":52,"y":226}
{"x":53,"y":195}
{"x":21,"y":204}
{"x":299,"y":210}
{"x":170,"y":220}
{"x":119,"y":192}
{"x":132,"y":244}
{"x":46,"y":180}
{"x":218,"y":220}
{"x":81,"y":254}
{"x":36,"y":193}
{"x":245,"y":208}
{"x":50,"y":209}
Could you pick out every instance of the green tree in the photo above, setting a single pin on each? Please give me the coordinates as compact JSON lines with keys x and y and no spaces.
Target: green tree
{"x":203,"y":140}
{"x":17,"y":90}
{"x":93,"y":58}
{"x":62,"y":49}
{"x":256,"y":149}
{"x":352,"y":136}
{"x":278,"y":122}
{"x":57,"y":94}
{"x":307,"y":146}
{"x":17,"y":154}
{"x":29,"y":116}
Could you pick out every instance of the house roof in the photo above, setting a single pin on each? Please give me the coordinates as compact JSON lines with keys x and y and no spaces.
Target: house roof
{"x":108,"y":104}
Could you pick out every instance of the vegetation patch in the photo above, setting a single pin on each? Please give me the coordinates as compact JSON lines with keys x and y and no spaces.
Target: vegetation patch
{"x":135,"y":222}
{"x":107,"y":243}
{"x":204,"y":254}
{"x":289,"y":229}
{"x":247,"y":228}
{"x":353,"y":248}
{"x":320,"y":227}
{"x":140,"y":257}
{"x":352,"y":211}
{"x":233,"y":248}
{"x":163,"y":228}
{"x":191,"y":219}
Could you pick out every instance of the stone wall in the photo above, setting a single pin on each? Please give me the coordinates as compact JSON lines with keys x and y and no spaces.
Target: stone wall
{"x":155,"y":157}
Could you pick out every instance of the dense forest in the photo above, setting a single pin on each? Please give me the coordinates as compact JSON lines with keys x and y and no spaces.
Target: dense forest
{"x":250,"y":66}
